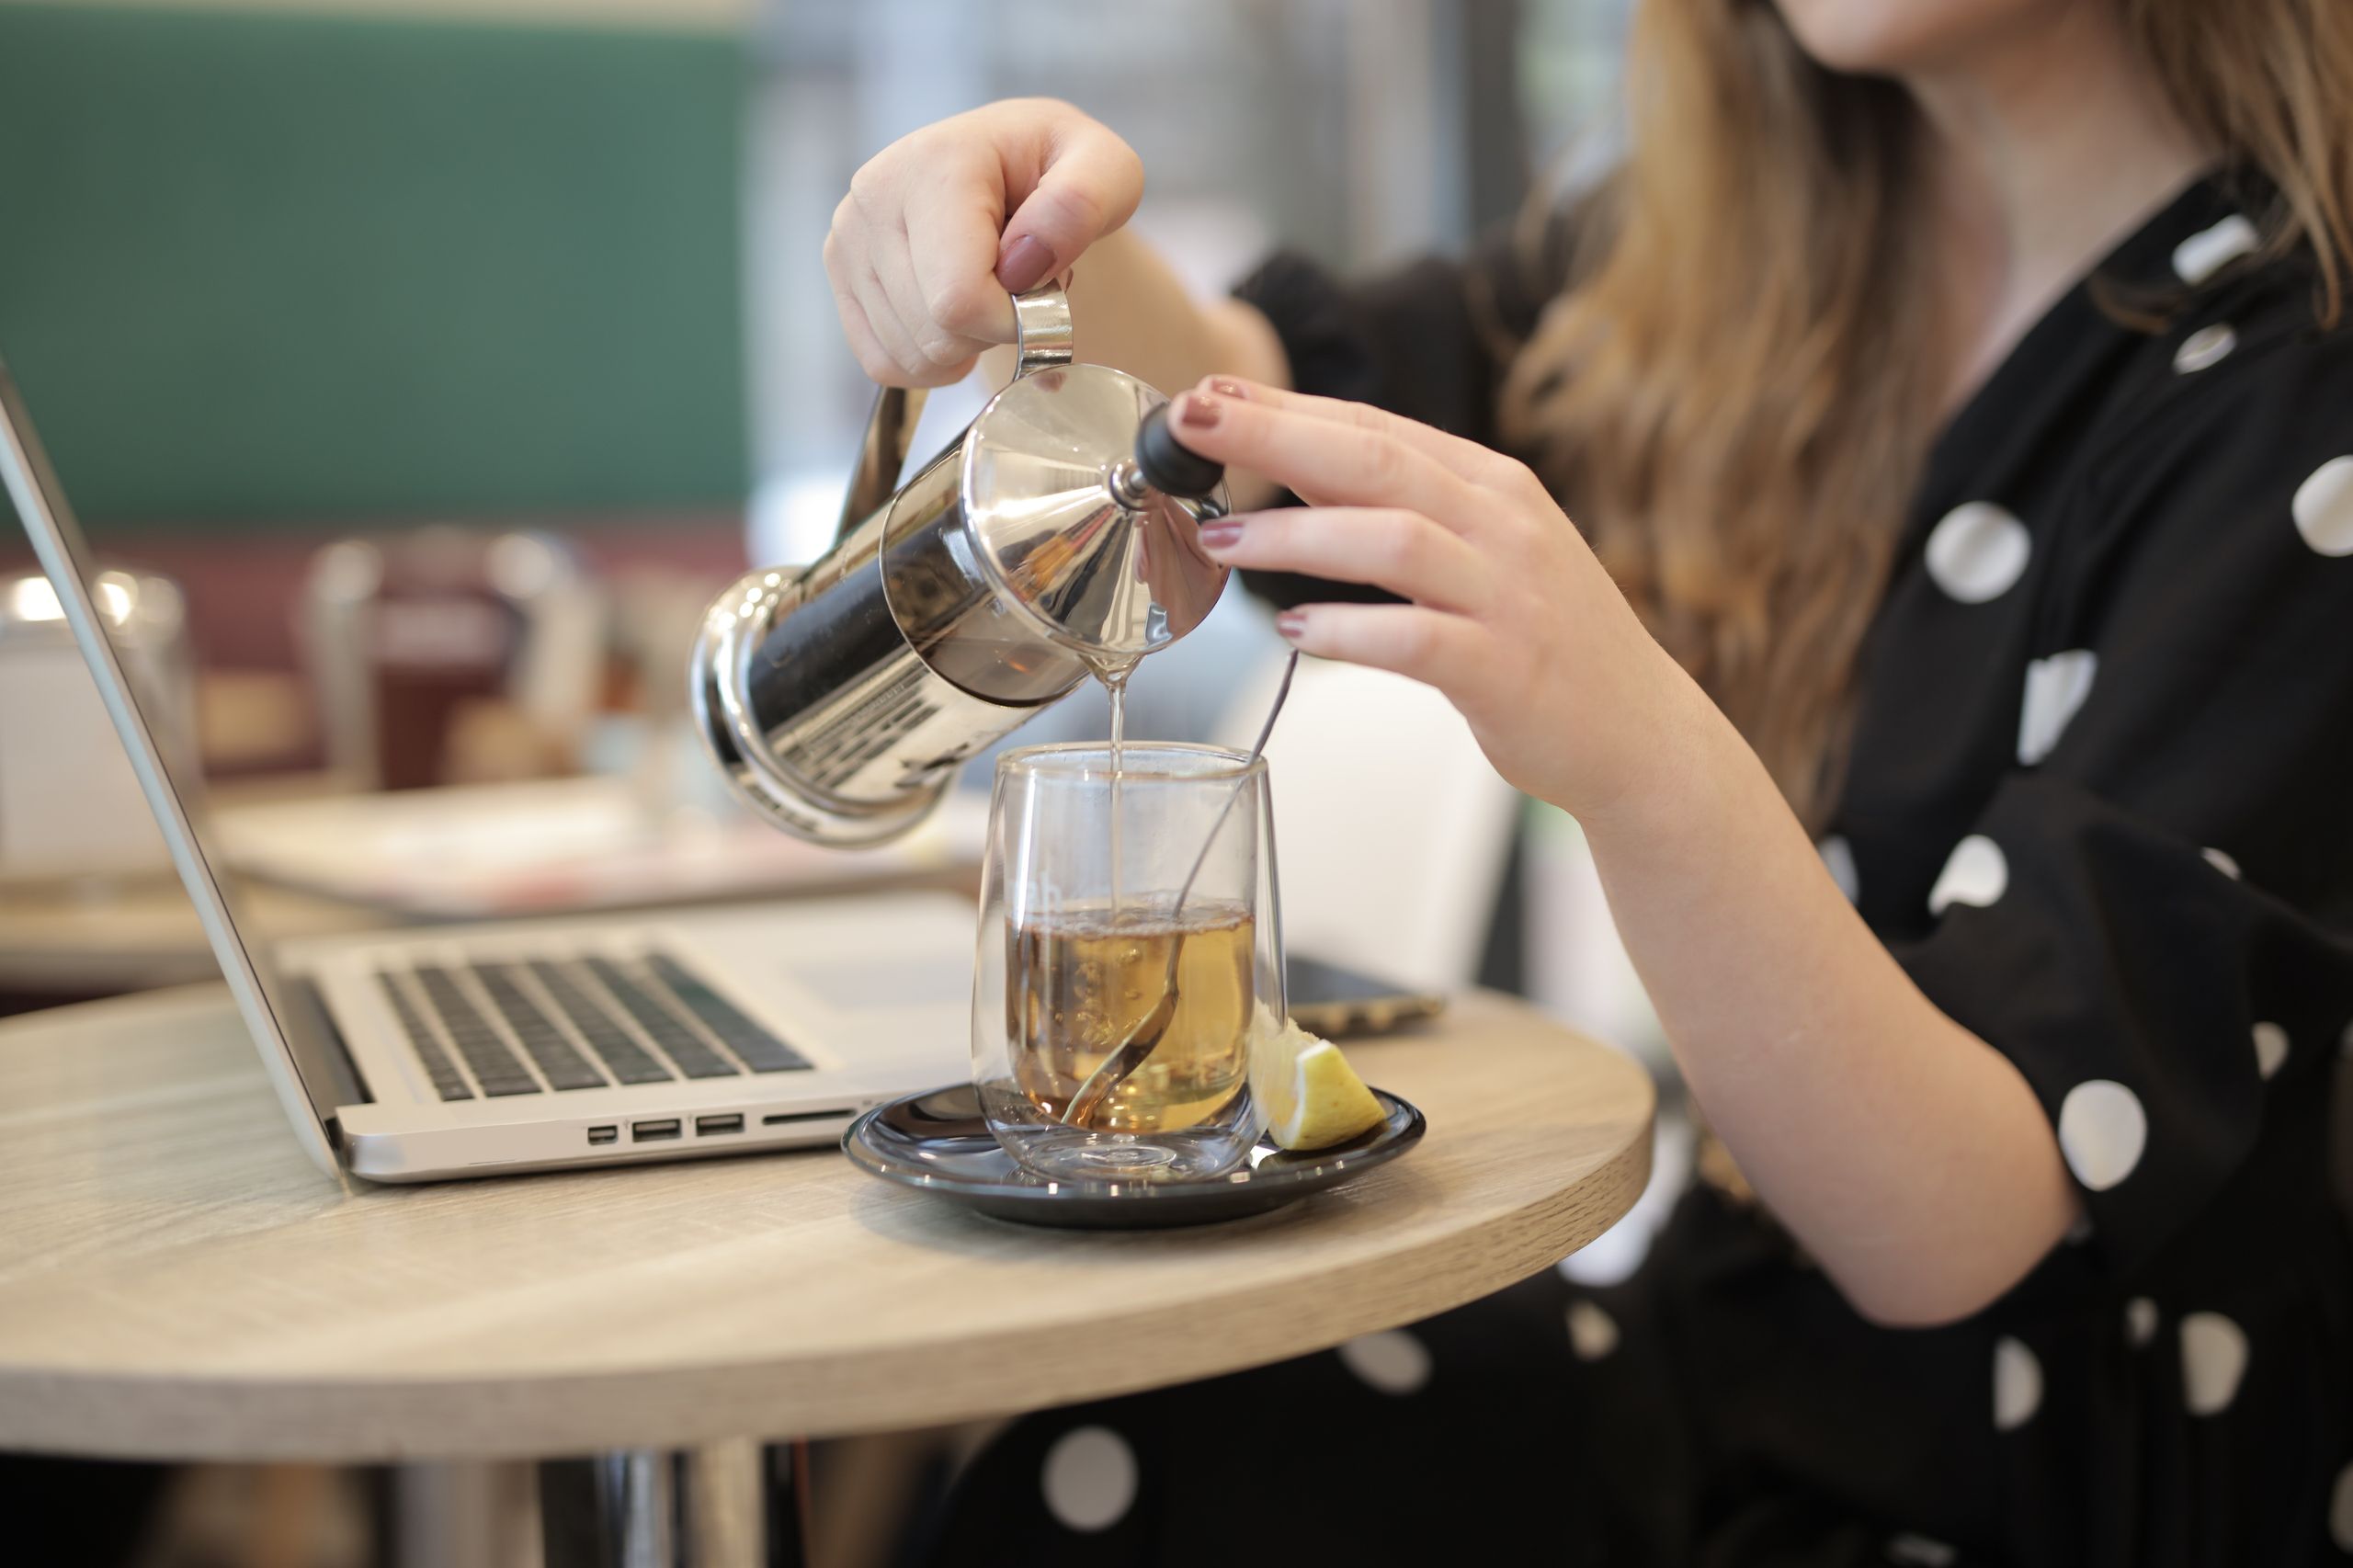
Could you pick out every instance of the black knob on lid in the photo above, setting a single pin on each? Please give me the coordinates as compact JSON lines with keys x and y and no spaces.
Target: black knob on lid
{"x":1169,"y":466}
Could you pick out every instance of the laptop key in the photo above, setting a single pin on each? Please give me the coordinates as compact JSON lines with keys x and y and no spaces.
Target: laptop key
{"x":682,"y":1045}
{"x":439,"y":1071}
{"x":565,"y":1067}
{"x":761,"y":1050}
{"x":495,"y":1068}
{"x":629,"y":1062}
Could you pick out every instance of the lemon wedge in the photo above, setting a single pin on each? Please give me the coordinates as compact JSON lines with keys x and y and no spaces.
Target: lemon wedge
{"x":1314,"y":1099}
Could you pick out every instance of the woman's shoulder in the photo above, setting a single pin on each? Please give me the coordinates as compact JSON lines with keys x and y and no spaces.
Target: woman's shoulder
{"x":1519,"y":266}
{"x":2253,"y":373}
{"x":2228,"y":481}
{"x":1429,"y":339}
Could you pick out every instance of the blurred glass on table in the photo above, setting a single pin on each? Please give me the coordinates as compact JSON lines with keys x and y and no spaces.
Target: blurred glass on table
{"x":70,"y":805}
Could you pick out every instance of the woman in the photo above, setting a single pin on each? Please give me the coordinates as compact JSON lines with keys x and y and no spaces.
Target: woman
{"x":1956,"y":400}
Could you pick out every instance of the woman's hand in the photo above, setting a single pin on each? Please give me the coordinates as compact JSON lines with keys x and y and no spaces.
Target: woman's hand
{"x":1511,"y":616}
{"x":1910,"y":1157}
{"x":940,"y":226}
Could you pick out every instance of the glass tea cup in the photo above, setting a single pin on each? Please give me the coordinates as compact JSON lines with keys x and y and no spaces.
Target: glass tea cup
{"x":1088,"y":1069}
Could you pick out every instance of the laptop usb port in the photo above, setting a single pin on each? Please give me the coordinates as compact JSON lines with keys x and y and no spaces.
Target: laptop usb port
{"x":653,"y":1132}
{"x":609,"y":1134}
{"x":707,"y":1125}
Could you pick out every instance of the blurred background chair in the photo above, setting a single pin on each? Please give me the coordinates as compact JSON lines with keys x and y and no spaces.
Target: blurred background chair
{"x":445,"y":656}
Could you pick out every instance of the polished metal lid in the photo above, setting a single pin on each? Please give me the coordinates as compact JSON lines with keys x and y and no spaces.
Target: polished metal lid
{"x":1063,"y":516}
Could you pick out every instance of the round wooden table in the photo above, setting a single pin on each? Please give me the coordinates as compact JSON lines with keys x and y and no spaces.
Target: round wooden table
{"x":177,"y":1282}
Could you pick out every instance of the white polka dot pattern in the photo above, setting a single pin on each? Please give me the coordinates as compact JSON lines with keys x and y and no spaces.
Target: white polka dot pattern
{"x":2140,"y":1322}
{"x":1919,"y":1552}
{"x":1091,"y":1479}
{"x":2270,"y":1049}
{"x":2055,"y":689}
{"x":2102,"y":1131}
{"x":1978,"y":551}
{"x":2340,"y":1510}
{"x":2213,"y":1359}
{"x":2017,"y":1384}
{"x":1592,"y":1333}
{"x":2207,"y":347}
{"x":2221,"y":862}
{"x":1838,"y":859}
{"x":2206,"y":252}
{"x":2322,"y":508}
{"x":1393,"y":1361}
{"x":1975,"y":873}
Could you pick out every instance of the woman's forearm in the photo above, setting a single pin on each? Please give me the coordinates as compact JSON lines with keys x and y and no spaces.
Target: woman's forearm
{"x":1132,"y":313}
{"x":1911,"y":1158}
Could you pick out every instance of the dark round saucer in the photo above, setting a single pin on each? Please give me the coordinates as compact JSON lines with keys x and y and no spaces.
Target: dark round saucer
{"x":938,"y":1142}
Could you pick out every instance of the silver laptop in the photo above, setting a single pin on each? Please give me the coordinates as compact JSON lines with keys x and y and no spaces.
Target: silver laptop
{"x":473,"y":1051}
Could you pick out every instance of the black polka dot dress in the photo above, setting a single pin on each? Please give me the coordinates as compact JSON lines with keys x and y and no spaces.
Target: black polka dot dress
{"x":2100,"y":806}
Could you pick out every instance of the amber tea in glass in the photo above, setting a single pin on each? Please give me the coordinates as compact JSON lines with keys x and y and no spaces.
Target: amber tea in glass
{"x":1091,"y":973}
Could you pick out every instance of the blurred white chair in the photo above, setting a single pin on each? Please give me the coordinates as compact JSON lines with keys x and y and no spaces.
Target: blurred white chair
{"x":1392,"y":831}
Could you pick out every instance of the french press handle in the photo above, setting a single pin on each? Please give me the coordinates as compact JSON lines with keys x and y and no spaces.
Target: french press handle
{"x":1041,"y":340}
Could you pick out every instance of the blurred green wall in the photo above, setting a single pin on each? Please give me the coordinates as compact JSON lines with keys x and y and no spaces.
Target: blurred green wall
{"x":259,"y":267}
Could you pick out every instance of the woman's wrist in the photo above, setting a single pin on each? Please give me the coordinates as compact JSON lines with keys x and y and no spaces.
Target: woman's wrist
{"x":1678,"y":775}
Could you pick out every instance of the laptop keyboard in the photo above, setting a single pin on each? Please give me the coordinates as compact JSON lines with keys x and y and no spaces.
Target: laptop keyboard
{"x":560,"y":1065}
{"x":629,"y":1062}
{"x":579,"y":1024}
{"x":681,"y":1044}
{"x":448,"y":1082}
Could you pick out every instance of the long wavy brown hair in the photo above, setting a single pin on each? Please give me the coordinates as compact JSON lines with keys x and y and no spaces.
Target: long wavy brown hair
{"x":1737,"y":392}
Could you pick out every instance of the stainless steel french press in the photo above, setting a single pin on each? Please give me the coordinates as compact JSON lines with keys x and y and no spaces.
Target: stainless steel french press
{"x":1053,"y":540}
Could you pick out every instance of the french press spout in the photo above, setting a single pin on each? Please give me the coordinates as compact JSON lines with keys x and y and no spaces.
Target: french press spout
{"x":1053,"y":538}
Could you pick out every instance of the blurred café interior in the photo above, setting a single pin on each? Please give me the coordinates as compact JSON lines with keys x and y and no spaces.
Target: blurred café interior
{"x":419,"y":370}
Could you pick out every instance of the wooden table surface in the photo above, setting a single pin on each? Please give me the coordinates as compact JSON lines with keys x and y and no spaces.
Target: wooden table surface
{"x":177,"y":1282}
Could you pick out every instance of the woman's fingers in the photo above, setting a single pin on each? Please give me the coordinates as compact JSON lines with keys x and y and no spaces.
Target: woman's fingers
{"x":1466,"y":460}
{"x":1429,"y":646}
{"x":951,"y":239}
{"x":850,"y":267}
{"x":873,"y":358}
{"x":1388,"y":547}
{"x":853,"y":263}
{"x":1086,"y":184}
{"x":907,"y":363}
{"x":940,"y":354}
{"x":1327,"y":463}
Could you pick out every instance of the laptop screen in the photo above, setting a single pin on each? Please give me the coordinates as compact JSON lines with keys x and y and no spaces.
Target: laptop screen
{"x":293,"y":1041}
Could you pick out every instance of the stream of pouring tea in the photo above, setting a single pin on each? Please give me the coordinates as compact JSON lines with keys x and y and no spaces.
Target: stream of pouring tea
{"x":1114,"y":682}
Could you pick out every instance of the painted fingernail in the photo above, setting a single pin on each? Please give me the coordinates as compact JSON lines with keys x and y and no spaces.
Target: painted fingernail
{"x":1224,"y":388}
{"x":1024,"y":264}
{"x":1290,"y":624}
{"x":1197,"y":411}
{"x":1222,"y":533}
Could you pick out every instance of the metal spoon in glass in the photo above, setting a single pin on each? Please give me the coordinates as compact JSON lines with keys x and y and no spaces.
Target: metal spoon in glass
{"x":1114,"y":1069}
